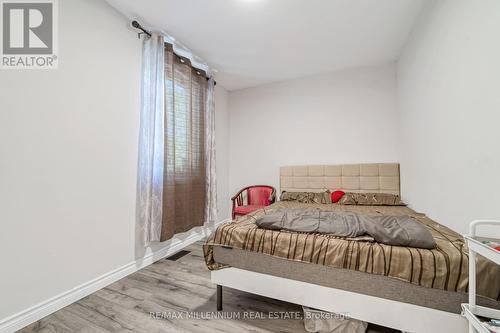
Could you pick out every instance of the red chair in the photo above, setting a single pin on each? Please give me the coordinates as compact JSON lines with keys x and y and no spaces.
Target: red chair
{"x":257,"y":196}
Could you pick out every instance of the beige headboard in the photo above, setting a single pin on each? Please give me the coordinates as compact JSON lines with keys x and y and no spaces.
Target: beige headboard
{"x":375,"y":177}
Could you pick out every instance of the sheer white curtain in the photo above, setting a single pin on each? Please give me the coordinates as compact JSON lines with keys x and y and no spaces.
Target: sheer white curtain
{"x":151,"y":140}
{"x":211,"y":180}
{"x":171,"y":86}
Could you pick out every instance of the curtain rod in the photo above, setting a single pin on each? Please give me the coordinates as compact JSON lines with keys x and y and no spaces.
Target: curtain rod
{"x":137,"y":25}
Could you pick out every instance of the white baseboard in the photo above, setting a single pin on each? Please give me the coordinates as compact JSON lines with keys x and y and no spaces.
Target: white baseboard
{"x":43,"y":309}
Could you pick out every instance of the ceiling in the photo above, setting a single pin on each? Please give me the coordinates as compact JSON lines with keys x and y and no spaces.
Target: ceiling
{"x":254,"y":42}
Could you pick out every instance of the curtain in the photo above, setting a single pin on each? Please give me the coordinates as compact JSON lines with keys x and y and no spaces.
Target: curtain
{"x":188,"y":128}
{"x":151,"y":141}
{"x":211,"y":181}
{"x":176,"y":171}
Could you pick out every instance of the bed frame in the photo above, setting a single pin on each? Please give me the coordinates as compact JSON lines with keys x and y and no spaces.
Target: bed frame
{"x":381,"y":177}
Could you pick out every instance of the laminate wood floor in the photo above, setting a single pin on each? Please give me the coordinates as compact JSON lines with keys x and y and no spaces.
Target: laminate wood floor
{"x":173,"y":289}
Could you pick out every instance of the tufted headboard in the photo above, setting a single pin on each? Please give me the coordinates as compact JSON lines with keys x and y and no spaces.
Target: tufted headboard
{"x":375,"y":177}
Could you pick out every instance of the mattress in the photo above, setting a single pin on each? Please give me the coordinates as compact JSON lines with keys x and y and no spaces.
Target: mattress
{"x":349,"y":280}
{"x":444,"y":269}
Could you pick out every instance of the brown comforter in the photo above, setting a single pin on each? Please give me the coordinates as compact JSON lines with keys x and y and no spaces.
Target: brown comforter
{"x":445,"y":267}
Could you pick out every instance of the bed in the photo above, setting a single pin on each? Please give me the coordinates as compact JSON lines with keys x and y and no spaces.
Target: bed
{"x":410,"y":289}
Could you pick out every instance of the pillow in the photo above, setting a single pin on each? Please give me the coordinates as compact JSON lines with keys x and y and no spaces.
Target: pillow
{"x":371,"y":199}
{"x":307,"y":197}
{"x":337,"y":195}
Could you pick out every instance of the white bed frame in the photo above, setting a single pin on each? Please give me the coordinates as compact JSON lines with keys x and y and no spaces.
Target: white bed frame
{"x":398,"y":315}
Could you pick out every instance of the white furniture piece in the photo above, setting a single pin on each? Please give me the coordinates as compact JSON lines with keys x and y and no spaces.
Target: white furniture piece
{"x":398,"y":315}
{"x":471,"y":310}
{"x":374,"y":177}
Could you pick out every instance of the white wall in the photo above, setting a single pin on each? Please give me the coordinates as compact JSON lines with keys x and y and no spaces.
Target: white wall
{"x":449,"y":79}
{"x":222,"y":152}
{"x":339,"y":117}
{"x":68,"y":156}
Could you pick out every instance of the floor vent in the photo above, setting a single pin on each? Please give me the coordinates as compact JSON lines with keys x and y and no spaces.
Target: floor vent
{"x":178,"y":255}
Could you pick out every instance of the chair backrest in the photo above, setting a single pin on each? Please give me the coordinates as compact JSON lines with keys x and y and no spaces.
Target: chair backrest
{"x":259,"y":195}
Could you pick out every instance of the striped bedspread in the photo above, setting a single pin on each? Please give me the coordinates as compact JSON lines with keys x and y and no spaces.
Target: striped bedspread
{"x":445,"y":267}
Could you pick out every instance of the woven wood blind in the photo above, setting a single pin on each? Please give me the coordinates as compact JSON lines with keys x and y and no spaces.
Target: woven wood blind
{"x":184,"y":189}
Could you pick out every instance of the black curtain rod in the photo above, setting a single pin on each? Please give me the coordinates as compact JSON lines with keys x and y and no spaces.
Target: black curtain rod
{"x":137,"y":25}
